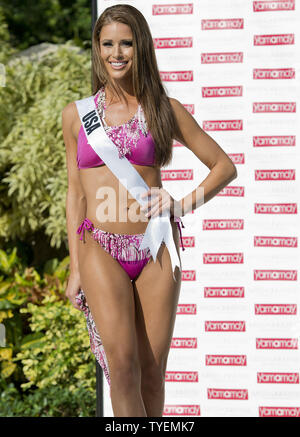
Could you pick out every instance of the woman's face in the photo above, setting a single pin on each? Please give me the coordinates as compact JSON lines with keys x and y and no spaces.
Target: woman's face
{"x":116,"y":49}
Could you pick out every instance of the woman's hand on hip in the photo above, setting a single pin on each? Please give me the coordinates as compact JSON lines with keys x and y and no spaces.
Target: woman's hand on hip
{"x":159,"y":202}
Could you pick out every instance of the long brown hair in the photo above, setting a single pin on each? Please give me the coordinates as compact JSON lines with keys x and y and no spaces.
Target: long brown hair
{"x":147,"y":85}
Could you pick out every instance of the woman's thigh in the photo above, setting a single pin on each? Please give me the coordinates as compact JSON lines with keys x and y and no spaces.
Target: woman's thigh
{"x":109,"y":294}
{"x":156,"y":297}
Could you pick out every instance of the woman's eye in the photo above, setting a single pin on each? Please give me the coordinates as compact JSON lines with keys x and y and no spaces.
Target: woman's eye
{"x":128,"y":43}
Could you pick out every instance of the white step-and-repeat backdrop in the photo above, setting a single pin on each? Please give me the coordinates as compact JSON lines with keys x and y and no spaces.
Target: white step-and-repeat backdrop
{"x":234,"y":65}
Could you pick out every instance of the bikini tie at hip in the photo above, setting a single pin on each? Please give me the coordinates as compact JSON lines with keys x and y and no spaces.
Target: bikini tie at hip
{"x":86,"y":224}
{"x":179,"y":222}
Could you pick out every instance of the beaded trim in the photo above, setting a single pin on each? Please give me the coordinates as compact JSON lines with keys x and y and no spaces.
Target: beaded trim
{"x":123,"y":247}
{"x":124,"y":136}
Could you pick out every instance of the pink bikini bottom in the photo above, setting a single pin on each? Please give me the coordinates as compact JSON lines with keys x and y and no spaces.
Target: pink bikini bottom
{"x":125,"y":249}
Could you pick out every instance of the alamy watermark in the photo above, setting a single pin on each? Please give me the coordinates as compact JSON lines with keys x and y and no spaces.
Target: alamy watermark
{"x":106,"y":211}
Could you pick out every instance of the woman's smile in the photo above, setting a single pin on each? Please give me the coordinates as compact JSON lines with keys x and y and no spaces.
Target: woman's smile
{"x":118,"y":65}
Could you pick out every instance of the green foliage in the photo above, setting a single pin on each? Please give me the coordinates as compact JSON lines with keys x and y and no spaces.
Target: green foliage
{"x":53,"y":21}
{"x":5,"y":48}
{"x":47,"y":367}
{"x":53,"y":401}
{"x":32,"y":156}
{"x":58,"y":349}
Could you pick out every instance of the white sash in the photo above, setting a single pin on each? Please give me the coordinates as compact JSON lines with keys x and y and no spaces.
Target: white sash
{"x":159,"y":228}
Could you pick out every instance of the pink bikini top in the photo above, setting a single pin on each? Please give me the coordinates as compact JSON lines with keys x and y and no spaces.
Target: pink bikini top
{"x":133,"y":140}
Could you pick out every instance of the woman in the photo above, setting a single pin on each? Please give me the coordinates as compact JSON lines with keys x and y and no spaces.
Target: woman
{"x":129,"y":299}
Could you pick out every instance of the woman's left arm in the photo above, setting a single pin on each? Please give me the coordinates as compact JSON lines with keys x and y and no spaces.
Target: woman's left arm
{"x":222,"y":169}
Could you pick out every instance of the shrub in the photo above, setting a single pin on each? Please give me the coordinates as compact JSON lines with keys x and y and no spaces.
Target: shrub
{"x":32,"y":156}
{"x":47,"y":358}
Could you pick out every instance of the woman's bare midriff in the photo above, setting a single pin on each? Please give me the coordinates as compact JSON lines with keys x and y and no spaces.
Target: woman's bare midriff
{"x":109,"y":205}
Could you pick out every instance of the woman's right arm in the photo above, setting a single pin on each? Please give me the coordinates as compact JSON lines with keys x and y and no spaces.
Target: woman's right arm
{"x":75,"y":200}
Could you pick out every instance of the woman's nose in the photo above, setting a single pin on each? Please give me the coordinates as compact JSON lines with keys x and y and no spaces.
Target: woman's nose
{"x":117,"y":51}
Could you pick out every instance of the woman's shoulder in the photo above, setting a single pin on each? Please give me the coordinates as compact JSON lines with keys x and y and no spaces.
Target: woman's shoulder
{"x":68,"y":112}
{"x":70,"y":117}
{"x":171,"y":100}
{"x":176,"y":105}
{"x":70,"y":109}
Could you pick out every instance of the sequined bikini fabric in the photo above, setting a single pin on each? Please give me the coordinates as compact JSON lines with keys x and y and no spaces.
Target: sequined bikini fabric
{"x":133,"y":139}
